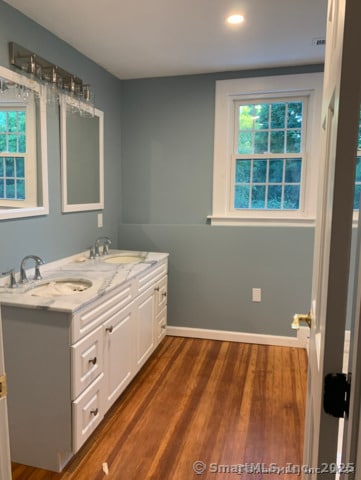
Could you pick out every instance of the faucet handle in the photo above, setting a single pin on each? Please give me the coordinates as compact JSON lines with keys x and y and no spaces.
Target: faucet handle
{"x":13,"y":282}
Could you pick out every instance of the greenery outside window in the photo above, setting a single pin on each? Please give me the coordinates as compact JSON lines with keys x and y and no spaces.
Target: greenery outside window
{"x":266,"y":150}
{"x":17,"y":148}
{"x":269,"y":155}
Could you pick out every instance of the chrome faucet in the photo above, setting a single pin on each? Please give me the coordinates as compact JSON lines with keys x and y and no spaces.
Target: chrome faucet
{"x":38,"y":262}
{"x":105,"y":241}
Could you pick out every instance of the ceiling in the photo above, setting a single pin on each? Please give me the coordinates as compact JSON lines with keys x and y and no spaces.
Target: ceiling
{"x":137,"y":39}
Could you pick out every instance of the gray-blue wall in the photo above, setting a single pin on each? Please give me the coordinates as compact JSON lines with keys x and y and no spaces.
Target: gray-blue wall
{"x":57,"y":235}
{"x":158,"y":193}
{"x":167,"y":161}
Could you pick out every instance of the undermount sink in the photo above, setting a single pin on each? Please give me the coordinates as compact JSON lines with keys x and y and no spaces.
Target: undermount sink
{"x":60,"y":287}
{"x":125,"y":258}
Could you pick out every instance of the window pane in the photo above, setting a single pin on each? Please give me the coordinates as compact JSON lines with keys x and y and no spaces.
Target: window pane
{"x":10,"y":167}
{"x":294,"y":115}
{"x":293,"y":141}
{"x":12,"y":122}
{"x":20,"y":167}
{"x":241,"y":196}
{"x":243,"y":171}
{"x":275,"y":174}
{"x":260,"y":142}
{"x":245,"y":142}
{"x":246,"y":114}
{"x":259,"y":171}
{"x":3,"y":116}
{"x":12,"y":143}
{"x":358,"y":170}
{"x":2,"y":192}
{"x":22,"y":144}
{"x":356,"y":197}
{"x":2,"y":167}
{"x":20,"y":189}
{"x":10,"y":188}
{"x":278,"y":112}
{"x":258,"y":196}
{"x":274,"y":198}
{"x":263,"y":115}
{"x":293,"y":170}
{"x":292,"y":197}
{"x":277,"y":142}
{"x":3,"y":142}
{"x":21,"y":121}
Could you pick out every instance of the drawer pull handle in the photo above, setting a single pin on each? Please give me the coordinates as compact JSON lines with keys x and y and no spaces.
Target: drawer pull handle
{"x":93,"y":360}
{"x":109,"y":329}
{"x":94,"y":412}
{"x":156,"y":289}
{"x":164,"y":294}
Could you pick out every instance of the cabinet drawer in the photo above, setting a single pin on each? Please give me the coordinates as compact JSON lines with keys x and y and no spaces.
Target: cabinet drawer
{"x":151,"y":276}
{"x":88,"y":318}
{"x":88,"y":412}
{"x":87,"y":360}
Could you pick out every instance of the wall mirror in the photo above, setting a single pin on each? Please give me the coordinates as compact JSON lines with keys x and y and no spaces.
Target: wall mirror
{"x":23,"y":147}
{"x":82,"y":157}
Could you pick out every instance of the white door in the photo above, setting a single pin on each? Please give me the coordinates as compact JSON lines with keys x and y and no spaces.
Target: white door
{"x":5,"y":468}
{"x":340,"y":119}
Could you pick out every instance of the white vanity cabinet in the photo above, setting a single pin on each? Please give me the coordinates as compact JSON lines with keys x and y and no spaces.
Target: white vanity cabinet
{"x":66,"y":369}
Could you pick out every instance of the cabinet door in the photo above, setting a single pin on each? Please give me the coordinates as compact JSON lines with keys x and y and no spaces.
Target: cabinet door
{"x":119,"y":334}
{"x":144,"y":327}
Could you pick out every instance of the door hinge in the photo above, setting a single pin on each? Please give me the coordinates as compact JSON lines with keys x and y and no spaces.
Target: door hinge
{"x":3,"y":386}
{"x":336,"y":394}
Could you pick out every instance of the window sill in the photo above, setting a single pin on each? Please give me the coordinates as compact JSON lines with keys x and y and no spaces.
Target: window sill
{"x":274,"y":221}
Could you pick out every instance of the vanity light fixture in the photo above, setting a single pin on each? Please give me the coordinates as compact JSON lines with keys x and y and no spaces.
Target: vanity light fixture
{"x":235,"y":19}
{"x":55,"y":78}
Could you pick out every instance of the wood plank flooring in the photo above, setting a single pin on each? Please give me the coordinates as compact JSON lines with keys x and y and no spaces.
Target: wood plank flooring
{"x":223,"y":404}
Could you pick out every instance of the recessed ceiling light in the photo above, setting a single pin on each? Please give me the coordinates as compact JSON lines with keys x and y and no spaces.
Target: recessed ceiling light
{"x":235,"y":19}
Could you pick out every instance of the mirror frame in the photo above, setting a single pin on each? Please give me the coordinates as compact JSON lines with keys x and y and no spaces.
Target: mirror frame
{"x":66,"y":101}
{"x":43,"y":209}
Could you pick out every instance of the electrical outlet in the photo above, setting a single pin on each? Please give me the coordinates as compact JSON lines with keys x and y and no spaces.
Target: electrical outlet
{"x":100,"y":220}
{"x":256,"y":294}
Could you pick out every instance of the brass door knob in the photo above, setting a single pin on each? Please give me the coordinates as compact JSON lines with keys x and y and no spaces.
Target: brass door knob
{"x":301,"y":317}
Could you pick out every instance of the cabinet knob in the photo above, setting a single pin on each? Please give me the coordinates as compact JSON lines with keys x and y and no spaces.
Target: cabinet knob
{"x":93,"y":360}
{"x":109,"y":329}
{"x":164,"y":294}
{"x":94,"y":412}
{"x":164,"y":326}
{"x":156,"y":289}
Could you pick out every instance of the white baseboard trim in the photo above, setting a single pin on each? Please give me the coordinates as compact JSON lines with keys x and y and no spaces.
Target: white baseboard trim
{"x":300,"y":341}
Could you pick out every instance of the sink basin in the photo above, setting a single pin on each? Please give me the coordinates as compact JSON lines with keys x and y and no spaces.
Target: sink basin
{"x":125,"y":258}
{"x":60,"y":287}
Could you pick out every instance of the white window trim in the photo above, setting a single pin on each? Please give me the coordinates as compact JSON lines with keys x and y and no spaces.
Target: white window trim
{"x":229,"y":91}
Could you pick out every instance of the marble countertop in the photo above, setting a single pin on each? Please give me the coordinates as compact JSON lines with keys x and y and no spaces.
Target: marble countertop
{"x":104,"y":277}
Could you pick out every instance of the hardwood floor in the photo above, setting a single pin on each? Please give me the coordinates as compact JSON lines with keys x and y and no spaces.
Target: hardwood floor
{"x":220,"y":403}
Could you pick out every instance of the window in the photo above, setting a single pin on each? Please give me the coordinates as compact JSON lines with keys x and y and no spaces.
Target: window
{"x":12,"y":154}
{"x":266,"y":149}
{"x":17,"y":152}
